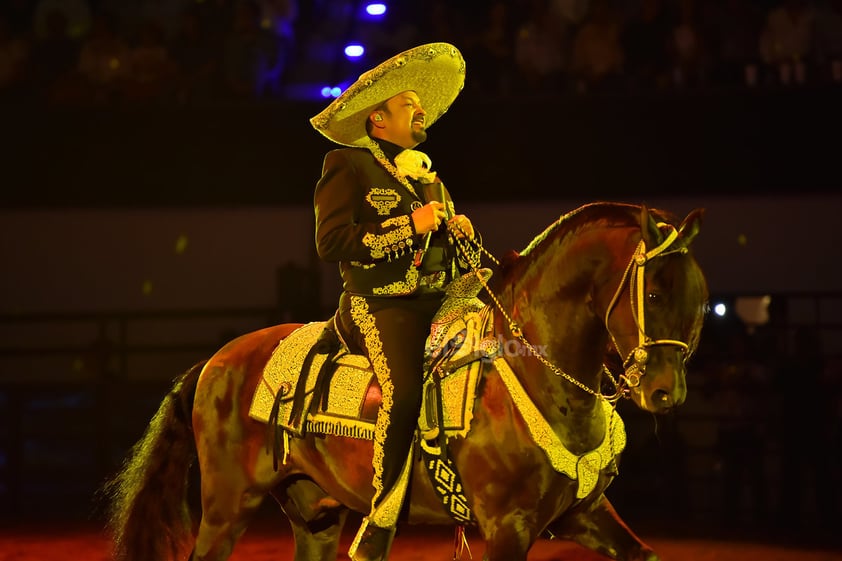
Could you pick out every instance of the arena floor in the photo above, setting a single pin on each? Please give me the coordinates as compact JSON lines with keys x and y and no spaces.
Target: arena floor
{"x":52,"y":541}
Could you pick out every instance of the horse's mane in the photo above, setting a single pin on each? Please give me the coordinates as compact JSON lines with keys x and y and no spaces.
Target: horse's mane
{"x":591,"y":215}
{"x":610,"y":213}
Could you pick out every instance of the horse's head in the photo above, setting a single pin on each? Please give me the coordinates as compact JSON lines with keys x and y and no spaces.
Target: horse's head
{"x":606,"y":274}
{"x":656,"y":313}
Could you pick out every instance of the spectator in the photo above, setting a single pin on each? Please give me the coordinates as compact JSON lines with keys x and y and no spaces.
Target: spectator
{"x":644,"y":42}
{"x":14,"y":52}
{"x":280,"y":17}
{"x":19,"y":15}
{"x":490,"y":48}
{"x":195,"y":59}
{"x":104,"y":61}
{"x":597,"y":52}
{"x":217,"y":19}
{"x":76,"y":12}
{"x":445,"y":23}
{"x":574,"y":11}
{"x":827,"y":40}
{"x":689,"y":58}
{"x":129,"y":17}
{"x":398,"y":31}
{"x":152,"y":67}
{"x":252,"y":61}
{"x":733,"y":35}
{"x":786,"y":40}
{"x":541,"y":50}
{"x":52,"y":72}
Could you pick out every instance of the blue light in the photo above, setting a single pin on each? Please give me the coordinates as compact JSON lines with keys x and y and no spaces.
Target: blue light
{"x":335,"y":91}
{"x":375,"y":9}
{"x":326,"y":91}
{"x":354,"y":51}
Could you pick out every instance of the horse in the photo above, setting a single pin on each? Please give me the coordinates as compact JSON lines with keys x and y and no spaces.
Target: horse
{"x":540,"y":448}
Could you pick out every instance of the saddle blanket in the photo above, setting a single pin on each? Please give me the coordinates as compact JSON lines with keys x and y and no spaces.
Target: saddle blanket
{"x":344,"y":412}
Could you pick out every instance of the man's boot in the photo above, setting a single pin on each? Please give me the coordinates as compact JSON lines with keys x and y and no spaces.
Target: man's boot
{"x":372,"y":542}
{"x":374,"y":538}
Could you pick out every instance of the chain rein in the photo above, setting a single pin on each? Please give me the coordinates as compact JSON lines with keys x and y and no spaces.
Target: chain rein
{"x":473,"y":259}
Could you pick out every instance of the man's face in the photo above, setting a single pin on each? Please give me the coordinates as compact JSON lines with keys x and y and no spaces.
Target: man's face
{"x":404,"y":120}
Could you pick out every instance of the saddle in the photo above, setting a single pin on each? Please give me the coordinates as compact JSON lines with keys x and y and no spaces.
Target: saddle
{"x":314,"y":383}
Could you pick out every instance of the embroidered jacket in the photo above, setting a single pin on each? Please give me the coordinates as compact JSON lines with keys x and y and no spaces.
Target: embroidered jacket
{"x":363,"y":223}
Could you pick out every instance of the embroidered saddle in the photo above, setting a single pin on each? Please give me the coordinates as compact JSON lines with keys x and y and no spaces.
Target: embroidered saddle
{"x":294,"y":395}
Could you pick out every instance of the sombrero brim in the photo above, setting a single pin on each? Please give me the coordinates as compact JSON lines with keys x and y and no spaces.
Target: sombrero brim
{"x":435,"y":71}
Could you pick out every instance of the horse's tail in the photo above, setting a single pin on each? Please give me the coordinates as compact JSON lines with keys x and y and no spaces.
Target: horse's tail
{"x":149,"y":515}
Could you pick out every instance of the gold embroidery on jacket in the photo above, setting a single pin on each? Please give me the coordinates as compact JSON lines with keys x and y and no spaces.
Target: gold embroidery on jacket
{"x":383,"y":200}
{"x":365,"y":323}
{"x":394,"y":242}
{"x":380,"y":156}
{"x":406,"y":286}
{"x":363,"y":265}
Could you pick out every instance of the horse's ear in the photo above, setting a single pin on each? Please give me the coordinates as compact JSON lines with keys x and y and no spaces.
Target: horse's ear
{"x":690,"y":226}
{"x":652,"y":235}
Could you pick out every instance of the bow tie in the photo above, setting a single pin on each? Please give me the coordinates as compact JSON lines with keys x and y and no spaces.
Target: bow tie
{"x":415,"y":164}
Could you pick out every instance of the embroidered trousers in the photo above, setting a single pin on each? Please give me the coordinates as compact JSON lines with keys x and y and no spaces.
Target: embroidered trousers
{"x":392,"y":332}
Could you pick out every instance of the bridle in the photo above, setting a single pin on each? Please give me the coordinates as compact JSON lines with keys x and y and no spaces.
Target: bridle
{"x":634,"y":365}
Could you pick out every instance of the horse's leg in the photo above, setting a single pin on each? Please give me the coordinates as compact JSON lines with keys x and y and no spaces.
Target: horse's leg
{"x":228,"y":505}
{"x":508,"y":538}
{"x":599,"y":528}
{"x":316,"y":519}
{"x":234,"y":461}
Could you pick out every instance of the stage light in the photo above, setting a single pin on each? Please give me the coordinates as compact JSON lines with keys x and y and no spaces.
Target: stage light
{"x":354,"y":51}
{"x":720,"y":309}
{"x":330,"y":91}
{"x":375,"y":9}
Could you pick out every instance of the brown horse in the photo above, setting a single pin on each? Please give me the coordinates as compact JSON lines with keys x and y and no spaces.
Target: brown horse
{"x":543,"y":440}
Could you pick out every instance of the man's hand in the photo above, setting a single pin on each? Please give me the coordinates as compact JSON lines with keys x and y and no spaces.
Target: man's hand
{"x":427,"y":218}
{"x":461,"y":226}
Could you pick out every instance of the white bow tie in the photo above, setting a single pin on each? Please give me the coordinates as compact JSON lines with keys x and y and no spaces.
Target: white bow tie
{"x":416,"y":165}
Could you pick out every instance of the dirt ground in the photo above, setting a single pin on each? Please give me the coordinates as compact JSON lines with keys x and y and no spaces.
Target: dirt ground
{"x":87,"y":542}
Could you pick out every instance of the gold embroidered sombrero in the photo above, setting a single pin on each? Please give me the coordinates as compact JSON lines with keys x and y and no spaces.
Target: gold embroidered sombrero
{"x":435,"y":71}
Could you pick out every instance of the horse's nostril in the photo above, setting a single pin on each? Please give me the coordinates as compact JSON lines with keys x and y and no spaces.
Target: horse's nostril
{"x":662,"y":399}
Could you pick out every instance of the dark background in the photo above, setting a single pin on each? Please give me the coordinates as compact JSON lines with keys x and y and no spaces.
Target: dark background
{"x":755,"y":452}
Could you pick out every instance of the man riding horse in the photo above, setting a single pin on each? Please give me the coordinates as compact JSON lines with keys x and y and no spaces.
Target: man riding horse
{"x":386,"y":218}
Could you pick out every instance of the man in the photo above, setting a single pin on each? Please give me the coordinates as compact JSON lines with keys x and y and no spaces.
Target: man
{"x":380,"y":213}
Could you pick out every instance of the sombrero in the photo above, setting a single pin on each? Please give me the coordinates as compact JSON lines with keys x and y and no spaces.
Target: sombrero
{"x":435,"y":71}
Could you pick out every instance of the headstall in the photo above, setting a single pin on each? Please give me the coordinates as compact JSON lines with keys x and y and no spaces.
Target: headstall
{"x":634,"y":365}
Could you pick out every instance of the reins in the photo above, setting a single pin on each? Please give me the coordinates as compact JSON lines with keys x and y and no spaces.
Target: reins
{"x":473,"y":260}
{"x":634,"y":365}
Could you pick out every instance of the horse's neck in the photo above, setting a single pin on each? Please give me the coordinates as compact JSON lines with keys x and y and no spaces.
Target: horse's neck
{"x":575,"y":415}
{"x":549,"y":299}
